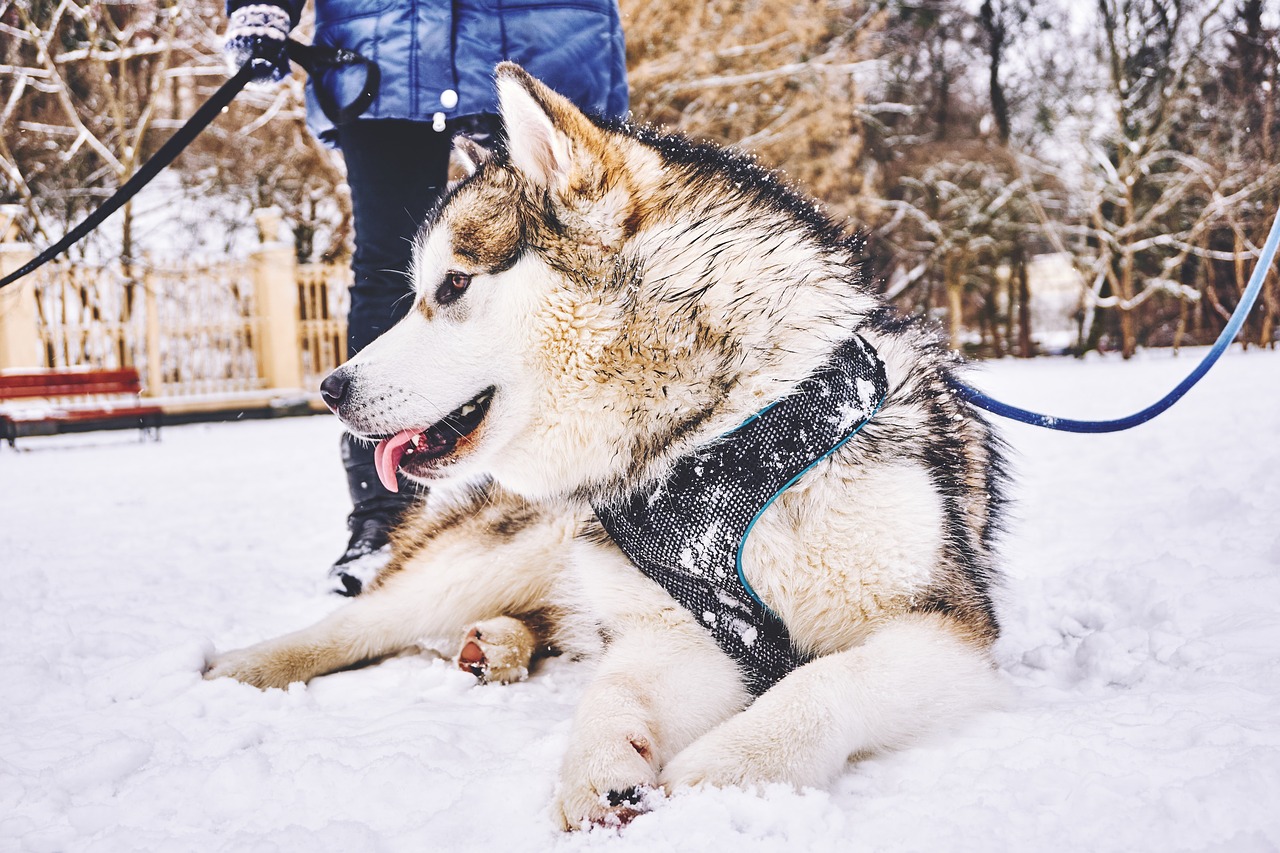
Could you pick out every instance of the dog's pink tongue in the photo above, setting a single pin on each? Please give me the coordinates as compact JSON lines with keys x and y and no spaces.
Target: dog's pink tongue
{"x":386,"y":457}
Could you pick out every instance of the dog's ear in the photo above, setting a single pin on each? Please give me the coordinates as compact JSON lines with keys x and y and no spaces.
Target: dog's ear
{"x":557,"y":149}
{"x":471,"y":155}
{"x":545,"y":131}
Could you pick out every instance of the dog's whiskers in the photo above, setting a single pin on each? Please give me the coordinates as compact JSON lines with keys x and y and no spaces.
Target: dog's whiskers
{"x":441,"y":421}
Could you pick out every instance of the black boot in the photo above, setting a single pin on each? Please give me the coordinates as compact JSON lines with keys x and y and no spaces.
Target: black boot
{"x":376,"y":511}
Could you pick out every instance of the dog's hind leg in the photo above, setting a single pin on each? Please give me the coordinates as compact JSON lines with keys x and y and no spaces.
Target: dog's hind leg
{"x":916,"y":674}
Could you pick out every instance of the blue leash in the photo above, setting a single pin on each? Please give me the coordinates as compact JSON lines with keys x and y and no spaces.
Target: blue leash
{"x":1247,"y":299}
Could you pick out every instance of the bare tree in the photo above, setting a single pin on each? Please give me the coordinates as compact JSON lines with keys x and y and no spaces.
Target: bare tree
{"x":90,"y":88}
{"x":81,"y":92}
{"x":1237,"y":134}
{"x":953,"y":210}
{"x":775,"y":80}
{"x":960,"y":134}
{"x":1150,"y":198}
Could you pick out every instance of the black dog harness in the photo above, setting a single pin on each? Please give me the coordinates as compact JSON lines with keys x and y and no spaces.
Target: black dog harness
{"x":686,"y":531}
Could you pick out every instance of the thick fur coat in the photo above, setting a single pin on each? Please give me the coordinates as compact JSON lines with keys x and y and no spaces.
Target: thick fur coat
{"x":595,"y":302}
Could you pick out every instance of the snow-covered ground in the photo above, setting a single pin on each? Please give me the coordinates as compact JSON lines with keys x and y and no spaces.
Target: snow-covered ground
{"x":1142,"y":640}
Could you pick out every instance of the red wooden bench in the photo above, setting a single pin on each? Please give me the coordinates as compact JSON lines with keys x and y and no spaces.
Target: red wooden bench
{"x":74,"y":401}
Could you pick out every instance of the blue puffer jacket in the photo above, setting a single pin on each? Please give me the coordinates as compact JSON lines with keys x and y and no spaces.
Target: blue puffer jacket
{"x":438,"y":57}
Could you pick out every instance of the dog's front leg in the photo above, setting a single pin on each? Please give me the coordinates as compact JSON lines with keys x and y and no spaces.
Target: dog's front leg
{"x":369,"y":627}
{"x":661,"y":683}
{"x":464,"y":576}
{"x":915,"y":674}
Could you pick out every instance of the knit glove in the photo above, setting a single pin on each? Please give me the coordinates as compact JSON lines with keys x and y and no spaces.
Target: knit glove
{"x":257,"y":33}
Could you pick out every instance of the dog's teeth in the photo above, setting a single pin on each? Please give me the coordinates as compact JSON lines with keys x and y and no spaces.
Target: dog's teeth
{"x":417,"y":438}
{"x":466,"y":410}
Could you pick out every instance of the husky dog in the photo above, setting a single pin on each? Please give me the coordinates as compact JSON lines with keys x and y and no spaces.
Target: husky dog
{"x":594,"y":305}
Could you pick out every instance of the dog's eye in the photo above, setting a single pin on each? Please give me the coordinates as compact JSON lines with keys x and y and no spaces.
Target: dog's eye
{"x":454,"y":285}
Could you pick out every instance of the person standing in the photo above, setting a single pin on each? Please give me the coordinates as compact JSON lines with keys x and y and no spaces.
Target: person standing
{"x":436,"y":60}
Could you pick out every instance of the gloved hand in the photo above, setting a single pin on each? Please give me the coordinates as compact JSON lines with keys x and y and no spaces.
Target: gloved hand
{"x":257,"y":33}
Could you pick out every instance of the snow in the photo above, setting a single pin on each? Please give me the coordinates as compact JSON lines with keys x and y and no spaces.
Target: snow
{"x":1142,"y":646}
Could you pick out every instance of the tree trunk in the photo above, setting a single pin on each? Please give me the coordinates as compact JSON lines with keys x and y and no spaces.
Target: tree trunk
{"x":1181,"y":328}
{"x":955,"y":300}
{"x":1098,"y":324}
{"x":1270,"y":299}
{"x":1270,"y":308}
{"x":1128,"y":334}
{"x":1240,"y":285}
{"x":1024,"y":304}
{"x":1011,"y":300}
{"x":992,"y":324}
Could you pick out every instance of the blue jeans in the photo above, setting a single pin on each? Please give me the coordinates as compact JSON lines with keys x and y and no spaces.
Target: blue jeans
{"x":397,"y":171}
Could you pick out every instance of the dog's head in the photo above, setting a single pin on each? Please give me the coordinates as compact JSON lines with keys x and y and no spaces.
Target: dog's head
{"x":584,"y":299}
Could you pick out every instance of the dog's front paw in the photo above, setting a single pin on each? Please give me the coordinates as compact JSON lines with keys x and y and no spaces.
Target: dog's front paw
{"x":711,"y":760}
{"x":743,"y":752}
{"x":778,"y":739}
{"x":608,"y":785}
{"x":498,"y":650}
{"x":257,"y":666}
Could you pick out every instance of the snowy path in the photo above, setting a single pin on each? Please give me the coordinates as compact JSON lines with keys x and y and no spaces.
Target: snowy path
{"x":1142,"y":637}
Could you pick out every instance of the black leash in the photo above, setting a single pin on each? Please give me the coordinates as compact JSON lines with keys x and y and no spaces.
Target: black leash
{"x":314,"y":60}
{"x":317,"y":59}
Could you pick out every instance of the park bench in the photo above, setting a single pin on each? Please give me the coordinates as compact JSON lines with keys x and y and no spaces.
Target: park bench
{"x":58,"y":401}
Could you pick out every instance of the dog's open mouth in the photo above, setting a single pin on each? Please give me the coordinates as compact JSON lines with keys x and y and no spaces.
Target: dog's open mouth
{"x":418,"y":449}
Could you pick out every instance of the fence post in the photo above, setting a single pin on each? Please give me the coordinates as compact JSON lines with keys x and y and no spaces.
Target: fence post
{"x":19,"y":338}
{"x":155,"y":368}
{"x":276,"y":291}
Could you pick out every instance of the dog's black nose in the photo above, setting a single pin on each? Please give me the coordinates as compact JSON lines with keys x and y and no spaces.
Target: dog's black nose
{"x":334,"y":388}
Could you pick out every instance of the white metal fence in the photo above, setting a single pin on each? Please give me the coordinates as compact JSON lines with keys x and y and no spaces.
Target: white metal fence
{"x":194,"y":328}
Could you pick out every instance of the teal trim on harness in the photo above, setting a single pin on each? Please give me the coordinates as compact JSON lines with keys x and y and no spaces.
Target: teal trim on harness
{"x":742,"y":542}
{"x":685,"y":529}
